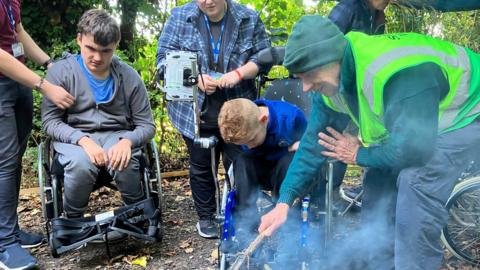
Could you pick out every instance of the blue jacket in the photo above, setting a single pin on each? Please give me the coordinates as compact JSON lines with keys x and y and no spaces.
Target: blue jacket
{"x":355,"y":15}
{"x":286,"y":125}
{"x":244,"y":37}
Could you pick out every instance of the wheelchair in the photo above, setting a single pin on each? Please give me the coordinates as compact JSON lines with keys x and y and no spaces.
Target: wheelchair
{"x":307,"y":213}
{"x":141,"y":220}
{"x":461,"y":235}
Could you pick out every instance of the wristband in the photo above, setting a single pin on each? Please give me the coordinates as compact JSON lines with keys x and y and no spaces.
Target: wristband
{"x":239,"y":74}
{"x":38,"y":86}
{"x":48,"y":62}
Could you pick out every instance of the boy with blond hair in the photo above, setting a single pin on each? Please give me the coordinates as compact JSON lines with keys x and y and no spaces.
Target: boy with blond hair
{"x":268,"y":132}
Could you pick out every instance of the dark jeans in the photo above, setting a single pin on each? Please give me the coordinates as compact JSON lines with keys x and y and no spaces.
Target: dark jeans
{"x":201,"y":178}
{"x":403,"y":213}
{"x":422,"y":194}
{"x":16,"y":110}
{"x":253,"y":173}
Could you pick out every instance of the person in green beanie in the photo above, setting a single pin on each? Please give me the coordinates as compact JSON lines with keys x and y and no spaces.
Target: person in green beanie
{"x":415,"y":100}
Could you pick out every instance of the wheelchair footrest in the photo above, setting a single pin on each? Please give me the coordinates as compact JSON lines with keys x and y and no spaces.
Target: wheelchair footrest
{"x":140,"y":220}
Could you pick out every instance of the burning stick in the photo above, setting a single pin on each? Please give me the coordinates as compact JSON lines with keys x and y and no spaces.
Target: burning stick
{"x":247,"y":252}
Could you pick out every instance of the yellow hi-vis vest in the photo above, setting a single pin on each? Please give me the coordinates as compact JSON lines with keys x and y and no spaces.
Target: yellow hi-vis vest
{"x":378,"y":58}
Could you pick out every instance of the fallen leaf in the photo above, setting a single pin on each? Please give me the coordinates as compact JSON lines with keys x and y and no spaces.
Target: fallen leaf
{"x":115,"y":259}
{"x":170,"y":253}
{"x":214,"y":254}
{"x":127,"y":261}
{"x":179,"y":198}
{"x":185,"y":244}
{"x":177,"y":222}
{"x":188,"y":250}
{"x":142,"y":261}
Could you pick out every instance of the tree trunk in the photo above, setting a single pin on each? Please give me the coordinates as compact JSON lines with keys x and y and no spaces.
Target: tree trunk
{"x":129,"y":10}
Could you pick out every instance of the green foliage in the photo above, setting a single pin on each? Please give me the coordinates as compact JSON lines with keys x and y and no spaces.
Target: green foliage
{"x":462,"y":28}
{"x":54,"y":23}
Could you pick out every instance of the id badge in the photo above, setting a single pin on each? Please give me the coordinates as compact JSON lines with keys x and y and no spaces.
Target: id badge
{"x":17,"y":49}
{"x":215,"y":75}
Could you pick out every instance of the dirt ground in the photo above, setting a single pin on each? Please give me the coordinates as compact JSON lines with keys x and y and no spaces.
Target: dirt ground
{"x":181,"y":247}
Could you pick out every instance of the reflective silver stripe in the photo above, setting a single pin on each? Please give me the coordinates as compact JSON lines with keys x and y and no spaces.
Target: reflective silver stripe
{"x":447,"y":118}
{"x":474,"y":110}
{"x":449,"y":115}
{"x":337,"y":102}
{"x":461,"y":61}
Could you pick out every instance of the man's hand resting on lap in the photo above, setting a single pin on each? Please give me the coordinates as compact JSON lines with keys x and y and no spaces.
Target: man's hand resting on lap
{"x":119,"y":155}
{"x":94,"y":151}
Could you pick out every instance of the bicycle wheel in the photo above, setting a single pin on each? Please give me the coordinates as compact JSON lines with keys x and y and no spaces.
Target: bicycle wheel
{"x":461,"y":235}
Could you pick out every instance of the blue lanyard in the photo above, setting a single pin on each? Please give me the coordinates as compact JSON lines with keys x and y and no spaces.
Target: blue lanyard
{"x":11,"y":19}
{"x":215,"y":47}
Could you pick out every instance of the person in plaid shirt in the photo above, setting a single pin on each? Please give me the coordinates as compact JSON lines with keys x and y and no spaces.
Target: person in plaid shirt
{"x":227,"y":37}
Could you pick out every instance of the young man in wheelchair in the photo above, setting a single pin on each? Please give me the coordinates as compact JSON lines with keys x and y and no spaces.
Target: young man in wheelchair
{"x":269,"y":132}
{"x":108,"y":124}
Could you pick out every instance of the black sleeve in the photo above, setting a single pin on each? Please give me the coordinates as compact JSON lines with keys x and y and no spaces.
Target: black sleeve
{"x":342,"y":16}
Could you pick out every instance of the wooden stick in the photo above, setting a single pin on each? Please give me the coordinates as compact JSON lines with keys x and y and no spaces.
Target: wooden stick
{"x":247,"y":252}
{"x":182,"y":173}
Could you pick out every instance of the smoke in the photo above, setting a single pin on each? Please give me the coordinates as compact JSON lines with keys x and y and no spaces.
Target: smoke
{"x":365,"y":246}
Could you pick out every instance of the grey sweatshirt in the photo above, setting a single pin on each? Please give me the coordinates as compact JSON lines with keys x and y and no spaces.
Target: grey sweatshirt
{"x":128,"y":109}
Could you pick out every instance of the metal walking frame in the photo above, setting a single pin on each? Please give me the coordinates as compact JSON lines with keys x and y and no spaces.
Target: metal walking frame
{"x":181,"y":79}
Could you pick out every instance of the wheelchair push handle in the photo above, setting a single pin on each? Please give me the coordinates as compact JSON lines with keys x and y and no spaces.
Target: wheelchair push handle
{"x":205,"y":143}
{"x":271,"y":56}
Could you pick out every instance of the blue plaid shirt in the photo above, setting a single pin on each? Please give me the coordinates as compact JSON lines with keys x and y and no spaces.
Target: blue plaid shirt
{"x":244,"y":37}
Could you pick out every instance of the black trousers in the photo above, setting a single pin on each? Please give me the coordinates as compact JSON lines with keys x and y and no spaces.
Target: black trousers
{"x":253,"y":173}
{"x":201,"y":177}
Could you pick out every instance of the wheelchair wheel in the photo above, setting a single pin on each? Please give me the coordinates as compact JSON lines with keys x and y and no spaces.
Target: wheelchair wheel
{"x":154,"y":173}
{"x":42,"y":179}
{"x":461,"y":235}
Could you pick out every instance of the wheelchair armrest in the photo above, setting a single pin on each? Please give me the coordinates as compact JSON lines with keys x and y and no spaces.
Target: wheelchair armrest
{"x":271,"y":56}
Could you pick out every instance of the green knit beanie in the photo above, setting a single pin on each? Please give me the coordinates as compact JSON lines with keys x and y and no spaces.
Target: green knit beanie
{"x":314,"y":42}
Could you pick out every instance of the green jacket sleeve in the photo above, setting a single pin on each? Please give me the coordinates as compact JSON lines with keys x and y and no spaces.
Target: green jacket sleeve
{"x":306,"y":164}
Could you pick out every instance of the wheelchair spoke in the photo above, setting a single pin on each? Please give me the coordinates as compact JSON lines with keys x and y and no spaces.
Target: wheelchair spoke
{"x":463,"y":228}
